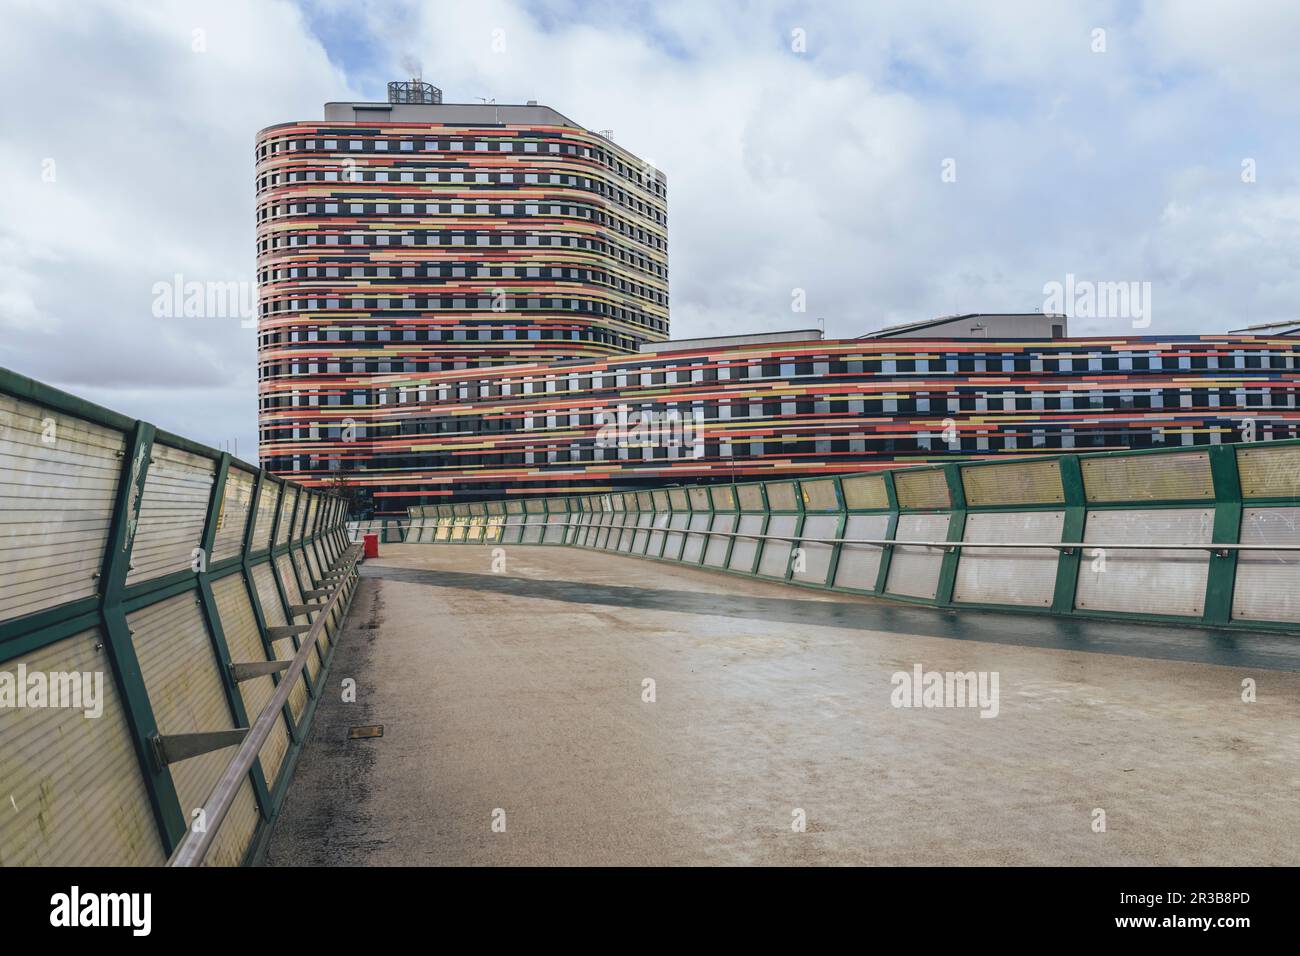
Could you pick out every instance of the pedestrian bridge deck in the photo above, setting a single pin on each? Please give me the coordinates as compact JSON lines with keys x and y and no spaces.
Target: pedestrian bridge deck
{"x":521,"y":689}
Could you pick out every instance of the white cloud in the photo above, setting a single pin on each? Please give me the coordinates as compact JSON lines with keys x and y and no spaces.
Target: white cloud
{"x":151,"y":144}
{"x":818,"y":170}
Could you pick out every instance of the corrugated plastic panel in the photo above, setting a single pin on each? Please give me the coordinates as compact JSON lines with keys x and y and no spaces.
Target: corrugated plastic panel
{"x":724,"y":497}
{"x":922,"y":489}
{"x":678,"y":500}
{"x":273,"y":610}
{"x":629,"y":531}
{"x":173,"y":511}
{"x":1019,"y":576}
{"x":643,"y":522}
{"x":1013,"y":483}
{"x":859,"y":564}
{"x":56,"y":504}
{"x":699,"y":498}
{"x":1148,"y":581}
{"x":1268,"y":582}
{"x":715,"y":552}
{"x":750,"y":498}
{"x":533,"y":527}
{"x":244,"y":642}
{"x":267,"y":502}
{"x":1180,"y":477}
{"x":1269,"y":472}
{"x":288,"y":502}
{"x":185,"y":692}
{"x":555,"y":525}
{"x":694,"y":549}
{"x":73,"y":793}
{"x":310,"y":526}
{"x":816,"y":558}
{"x":775,"y":557}
{"x":285,"y":566}
{"x":914,"y":571}
{"x":745,"y":550}
{"x":674,"y":539}
{"x":236,"y":503}
{"x":655,"y":547}
{"x":819,"y":495}
{"x":302,"y":513}
{"x":862,"y":492}
{"x":781,"y":496}
{"x":313,"y":565}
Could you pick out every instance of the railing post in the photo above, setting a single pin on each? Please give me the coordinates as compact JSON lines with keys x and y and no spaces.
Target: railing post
{"x":254,"y":599}
{"x":212,"y":617}
{"x":299,"y":500}
{"x":891,"y":532}
{"x":956,"y":531}
{"x":833,"y":565}
{"x":117,"y":636}
{"x":1222,"y":572}
{"x":1072,"y":529}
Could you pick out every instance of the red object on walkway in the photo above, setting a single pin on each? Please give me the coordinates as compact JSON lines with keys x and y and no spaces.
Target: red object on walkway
{"x":372,"y":545}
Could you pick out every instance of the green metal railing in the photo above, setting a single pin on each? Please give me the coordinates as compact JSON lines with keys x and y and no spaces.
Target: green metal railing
{"x":1207,"y":535}
{"x":95,"y":463}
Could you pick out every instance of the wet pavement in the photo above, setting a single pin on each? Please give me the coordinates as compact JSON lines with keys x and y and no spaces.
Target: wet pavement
{"x":577,"y":707}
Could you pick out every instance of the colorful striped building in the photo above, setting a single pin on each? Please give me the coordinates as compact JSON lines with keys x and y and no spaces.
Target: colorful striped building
{"x":464,"y":302}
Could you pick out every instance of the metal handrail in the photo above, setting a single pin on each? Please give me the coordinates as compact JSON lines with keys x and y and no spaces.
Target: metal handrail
{"x":1066,"y":546}
{"x":194,"y":846}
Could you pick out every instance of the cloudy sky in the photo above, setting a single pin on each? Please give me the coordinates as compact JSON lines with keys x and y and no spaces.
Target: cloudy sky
{"x":893,"y":160}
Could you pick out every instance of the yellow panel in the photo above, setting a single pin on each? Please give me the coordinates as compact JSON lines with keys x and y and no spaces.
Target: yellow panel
{"x":233,"y":518}
{"x":1179,"y":477}
{"x":58,"y":482}
{"x":72,"y":793}
{"x":266,"y":505}
{"x":922,"y":489}
{"x":1269,"y":472}
{"x":781,"y":496}
{"x":1013,"y":483}
{"x":863,"y":492}
{"x":287,"y":506}
{"x":819,"y":495}
{"x":245,"y":645}
{"x":180,"y":672}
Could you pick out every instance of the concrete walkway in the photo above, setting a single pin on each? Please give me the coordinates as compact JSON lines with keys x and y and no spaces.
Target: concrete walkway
{"x":517,"y":694}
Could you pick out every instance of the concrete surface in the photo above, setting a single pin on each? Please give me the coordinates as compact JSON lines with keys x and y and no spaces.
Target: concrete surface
{"x":522,"y":691}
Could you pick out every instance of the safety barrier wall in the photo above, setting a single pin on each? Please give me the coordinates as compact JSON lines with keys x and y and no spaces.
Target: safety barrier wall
{"x":838,"y":533}
{"x":147,"y":565}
